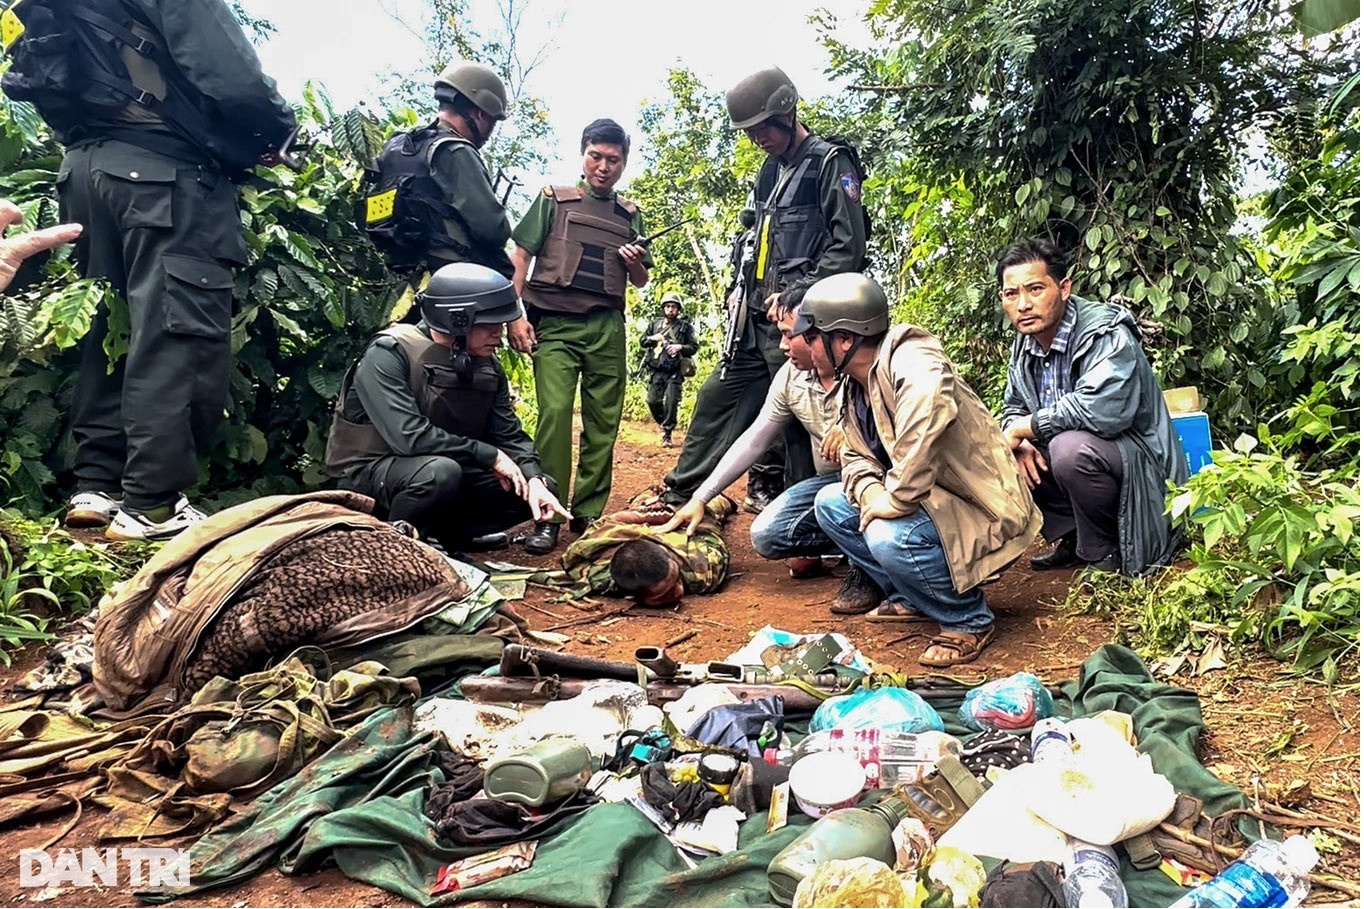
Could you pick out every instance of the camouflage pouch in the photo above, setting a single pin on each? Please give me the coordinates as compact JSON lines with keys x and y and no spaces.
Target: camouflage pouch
{"x":941,"y":798}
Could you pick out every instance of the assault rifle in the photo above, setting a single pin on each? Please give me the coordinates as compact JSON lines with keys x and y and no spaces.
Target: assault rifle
{"x":535,"y":676}
{"x":737,"y":301}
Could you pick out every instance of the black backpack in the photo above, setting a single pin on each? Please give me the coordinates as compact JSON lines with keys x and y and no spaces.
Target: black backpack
{"x":66,"y":60}
{"x":403,"y":211}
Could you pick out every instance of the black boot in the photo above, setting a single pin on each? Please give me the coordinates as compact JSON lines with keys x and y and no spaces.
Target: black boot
{"x":858,"y":595}
{"x":1063,"y":556}
{"x":542,"y":539}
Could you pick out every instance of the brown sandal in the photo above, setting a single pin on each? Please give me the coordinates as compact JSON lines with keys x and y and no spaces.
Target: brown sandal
{"x":965,"y":644}
{"x":895,"y":612}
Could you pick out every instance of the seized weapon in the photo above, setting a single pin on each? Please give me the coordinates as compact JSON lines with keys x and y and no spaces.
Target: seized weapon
{"x":297,"y":141}
{"x":645,"y":241}
{"x":533,"y":675}
{"x":737,"y":301}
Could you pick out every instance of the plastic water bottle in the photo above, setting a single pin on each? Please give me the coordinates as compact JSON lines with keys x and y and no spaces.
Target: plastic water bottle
{"x":1051,"y":741}
{"x":1267,"y":874}
{"x":1092,"y":878}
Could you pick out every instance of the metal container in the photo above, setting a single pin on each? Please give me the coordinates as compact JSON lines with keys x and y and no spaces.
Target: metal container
{"x":547,"y":772}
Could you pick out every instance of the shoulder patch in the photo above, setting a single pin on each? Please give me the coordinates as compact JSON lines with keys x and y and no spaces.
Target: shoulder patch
{"x":548,"y":191}
{"x":852,"y":187}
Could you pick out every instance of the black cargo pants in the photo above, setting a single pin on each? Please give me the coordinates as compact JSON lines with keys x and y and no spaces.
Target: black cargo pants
{"x":728,"y":405}
{"x":440,"y":497}
{"x":166,"y":234}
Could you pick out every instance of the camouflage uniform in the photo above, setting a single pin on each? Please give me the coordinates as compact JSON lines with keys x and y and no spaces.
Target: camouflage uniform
{"x":704,"y":557}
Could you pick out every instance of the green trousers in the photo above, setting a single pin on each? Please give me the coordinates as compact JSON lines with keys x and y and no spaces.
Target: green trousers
{"x":570,"y":347}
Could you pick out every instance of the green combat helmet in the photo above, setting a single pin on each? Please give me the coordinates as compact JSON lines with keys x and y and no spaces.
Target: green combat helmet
{"x":673,"y":296}
{"x":849,"y":302}
{"x":476,"y":82}
{"x":765,"y":94}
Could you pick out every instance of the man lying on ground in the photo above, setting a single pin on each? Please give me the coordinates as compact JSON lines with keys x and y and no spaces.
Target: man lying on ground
{"x":787,"y":528}
{"x":1085,"y":417}
{"x":931,"y":505}
{"x":629,"y":553}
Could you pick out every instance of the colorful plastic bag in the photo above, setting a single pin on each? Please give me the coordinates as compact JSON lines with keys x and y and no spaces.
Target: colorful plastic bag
{"x":1009,"y":704}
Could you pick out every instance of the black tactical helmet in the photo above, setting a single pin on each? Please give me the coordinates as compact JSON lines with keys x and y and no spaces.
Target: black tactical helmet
{"x":765,"y":94}
{"x":462,"y":295}
{"x":476,"y":82}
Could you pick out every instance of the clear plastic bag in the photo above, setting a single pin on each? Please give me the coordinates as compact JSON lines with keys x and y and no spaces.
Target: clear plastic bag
{"x":1011,"y":704}
{"x":882,"y":708}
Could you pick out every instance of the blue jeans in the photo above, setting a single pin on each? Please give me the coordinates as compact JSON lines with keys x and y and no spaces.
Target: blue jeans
{"x":905,"y":556}
{"x":787,"y":527}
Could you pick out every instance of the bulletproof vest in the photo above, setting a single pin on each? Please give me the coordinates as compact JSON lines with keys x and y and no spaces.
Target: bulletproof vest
{"x":792,"y":232}
{"x":459,"y":405}
{"x":94,"y":69}
{"x":405,"y":213}
{"x":578,"y":268}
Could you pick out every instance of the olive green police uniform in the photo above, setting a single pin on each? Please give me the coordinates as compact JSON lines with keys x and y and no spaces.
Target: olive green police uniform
{"x":575,"y":297}
{"x":162,"y":225}
{"x":420,"y":438}
{"x":810,"y":225}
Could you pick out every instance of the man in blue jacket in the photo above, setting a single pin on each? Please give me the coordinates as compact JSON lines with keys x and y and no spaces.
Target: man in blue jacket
{"x":1086,"y":419}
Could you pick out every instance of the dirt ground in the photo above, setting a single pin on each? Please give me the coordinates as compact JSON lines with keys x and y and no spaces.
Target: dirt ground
{"x":1288,"y":742}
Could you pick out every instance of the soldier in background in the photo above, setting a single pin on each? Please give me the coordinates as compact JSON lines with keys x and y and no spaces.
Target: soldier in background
{"x":668,"y":345}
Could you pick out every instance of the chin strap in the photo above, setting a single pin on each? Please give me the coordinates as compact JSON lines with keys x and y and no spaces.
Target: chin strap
{"x":825,"y":336}
{"x":460,"y":360}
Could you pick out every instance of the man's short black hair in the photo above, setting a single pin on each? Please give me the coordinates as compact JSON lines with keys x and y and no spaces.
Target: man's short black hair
{"x":638,"y":566}
{"x":606,"y":132}
{"x":791,"y":298}
{"x":1034,"y":249}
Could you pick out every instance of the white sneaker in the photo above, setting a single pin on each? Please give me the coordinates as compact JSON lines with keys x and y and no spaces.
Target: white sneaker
{"x":130,"y":525}
{"x":91,"y":509}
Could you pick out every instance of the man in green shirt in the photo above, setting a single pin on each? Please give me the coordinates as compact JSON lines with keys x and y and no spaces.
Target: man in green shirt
{"x":582,"y":240}
{"x":425,"y":426}
{"x":810,"y":224}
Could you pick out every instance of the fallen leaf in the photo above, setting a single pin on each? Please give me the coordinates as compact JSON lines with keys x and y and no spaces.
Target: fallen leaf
{"x":1168,"y":666}
{"x":1324,"y":841}
{"x":1224,"y":772}
{"x":1211,"y":658}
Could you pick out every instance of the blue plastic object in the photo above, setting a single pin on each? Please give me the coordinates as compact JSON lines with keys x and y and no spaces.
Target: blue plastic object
{"x":882,"y":708}
{"x":1010,"y":704}
{"x":1195,"y":435}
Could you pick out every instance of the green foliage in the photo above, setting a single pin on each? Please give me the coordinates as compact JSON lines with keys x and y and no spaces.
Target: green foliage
{"x":19,"y":590}
{"x":72,"y":574}
{"x":1113,"y":128}
{"x":311,"y":295}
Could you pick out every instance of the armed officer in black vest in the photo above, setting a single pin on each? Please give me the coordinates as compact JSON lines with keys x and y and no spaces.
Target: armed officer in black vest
{"x":810,"y":224}
{"x":448,"y":211}
{"x":425,"y":426}
{"x":163,"y":108}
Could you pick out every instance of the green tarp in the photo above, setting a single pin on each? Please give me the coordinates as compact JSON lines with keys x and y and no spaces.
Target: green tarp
{"x":361,"y":805}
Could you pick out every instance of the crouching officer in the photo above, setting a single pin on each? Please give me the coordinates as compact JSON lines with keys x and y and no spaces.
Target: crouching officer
{"x":424,"y":423}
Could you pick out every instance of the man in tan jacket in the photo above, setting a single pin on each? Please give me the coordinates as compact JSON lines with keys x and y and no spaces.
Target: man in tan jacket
{"x":931,"y":505}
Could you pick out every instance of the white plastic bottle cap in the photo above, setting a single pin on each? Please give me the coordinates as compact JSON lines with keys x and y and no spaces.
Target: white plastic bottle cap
{"x":1299,"y":853}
